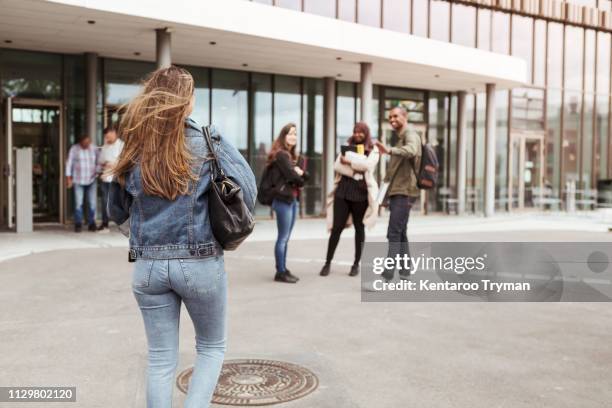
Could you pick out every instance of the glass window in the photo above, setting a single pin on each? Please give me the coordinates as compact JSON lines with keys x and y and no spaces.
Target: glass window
{"x":74,"y":88}
{"x":573,"y":57}
{"x":451,"y":159}
{"x":261,"y":111}
{"x":346,"y":10}
{"x":464,"y":25}
{"x":587,"y":141}
{"x":437,"y":135}
{"x":345,"y":112}
{"x":528,"y":109}
{"x":589,"y":61}
{"x":522,"y":37}
{"x":287,"y":102}
{"x":539,"y":65}
{"x":601,"y":136}
{"x":201,"y":110}
{"x":369,"y":12}
{"x":30,"y":74}
{"x":122,"y":79}
{"x":230,"y":106}
{"x":396,"y":15}
{"x":555,"y":55}
{"x":290,"y":4}
{"x":312,"y":145}
{"x":484,"y":29}
{"x":553,"y":140}
{"x":321,"y":7}
{"x":603,"y":62}
{"x":419,"y":17}
{"x":571,"y":134}
{"x":500,"y":32}
{"x":439,"y":20}
{"x":501,"y":149}
{"x":470,"y":146}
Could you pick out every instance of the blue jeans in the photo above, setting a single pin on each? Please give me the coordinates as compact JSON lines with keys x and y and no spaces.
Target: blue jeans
{"x":104,"y":188}
{"x":397,"y":231}
{"x":88,"y":191}
{"x":159,"y":287}
{"x":286,"y":214}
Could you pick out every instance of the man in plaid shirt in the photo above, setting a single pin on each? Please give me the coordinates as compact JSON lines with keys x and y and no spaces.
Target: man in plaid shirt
{"x":81,"y":174}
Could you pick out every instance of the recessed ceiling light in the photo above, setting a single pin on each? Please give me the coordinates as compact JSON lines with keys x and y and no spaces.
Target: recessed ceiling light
{"x":213,"y":43}
{"x":437,"y":76}
{"x":338,"y":75}
{"x":136,"y":53}
{"x":338,"y":58}
{"x":245,"y":65}
{"x":8,"y":41}
{"x":91,"y":21}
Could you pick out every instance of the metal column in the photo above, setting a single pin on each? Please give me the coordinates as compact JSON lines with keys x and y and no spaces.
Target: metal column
{"x":490,"y":127}
{"x":366,"y":88}
{"x":329,"y":132}
{"x":461,"y":151}
{"x":163,"y":48}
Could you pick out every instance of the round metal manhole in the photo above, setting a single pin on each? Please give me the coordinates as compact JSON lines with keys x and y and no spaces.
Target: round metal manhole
{"x":257,"y":382}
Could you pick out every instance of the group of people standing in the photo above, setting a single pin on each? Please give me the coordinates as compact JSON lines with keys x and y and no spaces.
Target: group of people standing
{"x":160,"y":184}
{"x":355,"y":198}
{"x":86,"y":164}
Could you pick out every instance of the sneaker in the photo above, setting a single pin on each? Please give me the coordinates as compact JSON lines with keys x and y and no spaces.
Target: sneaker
{"x":78,"y":228}
{"x":92,"y":228}
{"x":354,"y":270}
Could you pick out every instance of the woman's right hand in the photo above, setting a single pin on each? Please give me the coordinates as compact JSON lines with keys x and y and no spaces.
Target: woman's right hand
{"x":298,"y":170}
{"x":344,"y":160}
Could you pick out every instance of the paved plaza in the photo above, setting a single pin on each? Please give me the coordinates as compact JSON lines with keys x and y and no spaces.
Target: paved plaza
{"x":69,"y":318}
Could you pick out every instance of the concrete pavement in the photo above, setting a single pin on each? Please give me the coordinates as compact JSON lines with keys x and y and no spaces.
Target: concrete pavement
{"x":69,"y":318}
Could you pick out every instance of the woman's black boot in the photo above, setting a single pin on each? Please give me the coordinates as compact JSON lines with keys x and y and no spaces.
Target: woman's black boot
{"x":291,"y":275}
{"x":354,"y":270}
{"x":284,"y":277}
{"x":325,"y":270}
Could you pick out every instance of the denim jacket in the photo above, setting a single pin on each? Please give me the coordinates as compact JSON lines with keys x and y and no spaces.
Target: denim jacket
{"x":165,"y":229}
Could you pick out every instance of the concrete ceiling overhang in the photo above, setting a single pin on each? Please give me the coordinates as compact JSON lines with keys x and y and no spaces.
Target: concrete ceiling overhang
{"x":267,"y":39}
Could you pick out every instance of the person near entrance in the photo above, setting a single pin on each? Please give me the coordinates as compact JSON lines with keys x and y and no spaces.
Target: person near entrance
{"x":106,"y":161}
{"x":402,"y":190}
{"x":353,"y":199}
{"x":81,"y":172}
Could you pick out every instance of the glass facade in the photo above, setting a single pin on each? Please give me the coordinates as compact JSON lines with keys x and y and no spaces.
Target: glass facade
{"x":565,"y":104}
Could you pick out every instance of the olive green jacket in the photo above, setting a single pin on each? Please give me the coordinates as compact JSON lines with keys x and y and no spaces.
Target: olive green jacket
{"x":405,"y":158}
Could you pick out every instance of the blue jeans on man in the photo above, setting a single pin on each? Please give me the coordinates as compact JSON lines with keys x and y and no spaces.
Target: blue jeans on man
{"x":88,"y":192}
{"x":104,"y":187}
{"x":397,"y":231}
{"x":286,"y":213}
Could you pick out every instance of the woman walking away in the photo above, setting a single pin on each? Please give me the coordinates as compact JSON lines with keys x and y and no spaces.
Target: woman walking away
{"x":287,"y":175}
{"x":354,"y":196}
{"x":160,"y":187}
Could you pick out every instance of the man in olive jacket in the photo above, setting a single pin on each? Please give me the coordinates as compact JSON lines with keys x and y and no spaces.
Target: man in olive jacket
{"x":405,"y":158}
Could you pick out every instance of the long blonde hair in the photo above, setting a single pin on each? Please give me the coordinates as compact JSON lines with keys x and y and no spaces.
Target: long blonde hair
{"x":153,"y":128}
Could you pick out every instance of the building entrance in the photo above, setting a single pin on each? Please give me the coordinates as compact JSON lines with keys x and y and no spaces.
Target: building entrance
{"x":37,"y":124}
{"x":526,"y":177}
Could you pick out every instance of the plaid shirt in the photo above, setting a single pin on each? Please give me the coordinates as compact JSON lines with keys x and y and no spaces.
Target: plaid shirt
{"x":81,"y":164}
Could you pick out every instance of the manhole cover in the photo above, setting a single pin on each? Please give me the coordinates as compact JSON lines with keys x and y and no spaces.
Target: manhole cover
{"x":257,"y":382}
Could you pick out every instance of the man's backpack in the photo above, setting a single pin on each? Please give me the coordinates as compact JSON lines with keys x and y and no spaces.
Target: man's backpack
{"x":265,"y":191}
{"x":427,"y":176}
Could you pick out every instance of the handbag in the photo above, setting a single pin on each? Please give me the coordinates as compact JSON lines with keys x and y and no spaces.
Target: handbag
{"x":230,"y":219}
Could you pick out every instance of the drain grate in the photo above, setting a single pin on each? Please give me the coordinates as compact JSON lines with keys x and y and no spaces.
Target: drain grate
{"x":257,"y":382}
